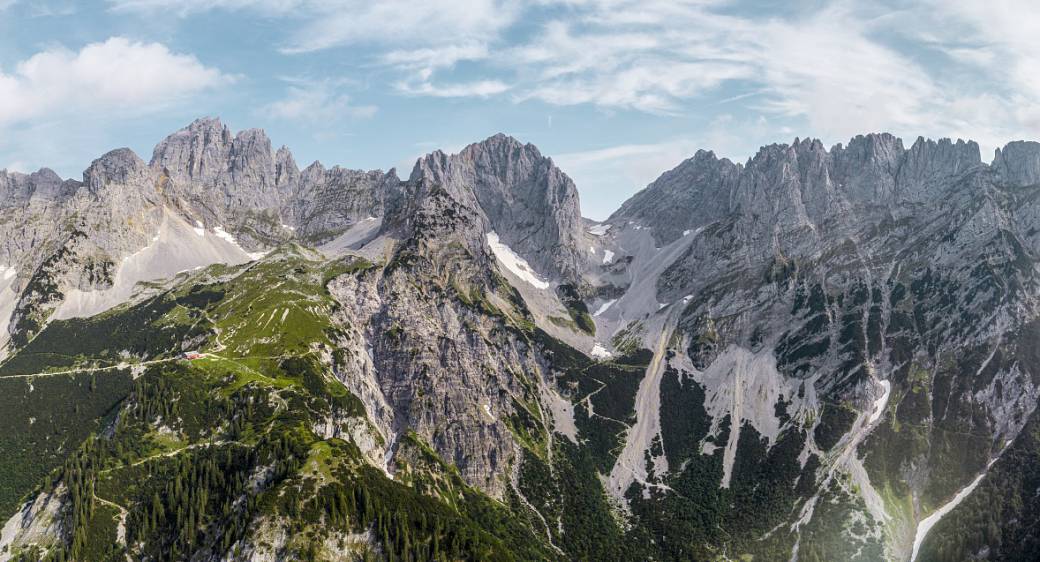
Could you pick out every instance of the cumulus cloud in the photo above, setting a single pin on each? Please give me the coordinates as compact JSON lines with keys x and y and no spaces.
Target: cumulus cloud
{"x":117,"y":74}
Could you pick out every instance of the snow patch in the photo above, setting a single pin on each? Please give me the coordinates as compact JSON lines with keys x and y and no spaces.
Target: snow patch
{"x":487,"y":410}
{"x":927,"y":523}
{"x":221,"y":233}
{"x":608,"y":256}
{"x":174,"y":249}
{"x":603,"y":307}
{"x":599,"y":229}
{"x":600,"y":352}
{"x":881,"y":402}
{"x":513,"y":262}
{"x":200,"y":229}
{"x":226,"y":236}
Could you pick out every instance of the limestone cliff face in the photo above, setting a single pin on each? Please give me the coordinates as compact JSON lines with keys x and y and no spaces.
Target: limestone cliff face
{"x":852,"y":326}
{"x":529,"y":202}
{"x":857,"y":270}
{"x":74,"y":235}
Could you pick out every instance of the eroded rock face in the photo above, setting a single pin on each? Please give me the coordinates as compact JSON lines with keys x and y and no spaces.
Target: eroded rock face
{"x":439,"y":368}
{"x":526,"y":199}
{"x":1019,"y":163}
{"x":233,"y":187}
{"x":327,"y":202}
{"x":808,"y":329}
{"x":690,"y":195}
{"x":862,"y":270}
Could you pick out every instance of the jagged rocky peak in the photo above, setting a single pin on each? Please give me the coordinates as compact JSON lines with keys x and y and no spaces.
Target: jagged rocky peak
{"x":929,"y":164}
{"x":252,"y":161}
{"x":329,"y":201}
{"x":17,"y":188}
{"x":196,"y":151}
{"x":121,"y":166}
{"x":802,"y":184}
{"x":205,"y":153}
{"x":1018,"y":163}
{"x":691,"y":194}
{"x":866,"y":169}
{"x":285,"y":168}
{"x":529,"y":202}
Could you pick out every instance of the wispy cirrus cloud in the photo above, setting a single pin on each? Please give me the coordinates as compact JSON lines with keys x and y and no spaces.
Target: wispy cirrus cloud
{"x":402,"y":22}
{"x":424,"y":87}
{"x":830,"y":68}
{"x":316,"y":101}
{"x":185,"y":8}
{"x":315,"y":25}
{"x":840,"y":66}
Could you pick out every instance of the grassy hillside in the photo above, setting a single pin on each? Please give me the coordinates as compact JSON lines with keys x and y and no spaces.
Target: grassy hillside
{"x":160,"y":457}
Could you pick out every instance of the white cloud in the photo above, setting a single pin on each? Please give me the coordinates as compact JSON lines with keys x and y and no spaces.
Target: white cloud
{"x":50,"y":9}
{"x":402,"y":22}
{"x":316,"y":102}
{"x":479,"y":88}
{"x":833,"y":68}
{"x":650,"y":56}
{"x":417,"y":38}
{"x":444,"y":56}
{"x":323,"y":24}
{"x":117,"y":74}
{"x":828,"y":70}
{"x":184,"y":8}
{"x":832,"y":65}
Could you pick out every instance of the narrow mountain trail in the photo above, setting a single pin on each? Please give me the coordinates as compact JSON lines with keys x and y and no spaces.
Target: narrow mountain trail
{"x":514,"y":478}
{"x":119,"y":366}
{"x":82,"y":370}
{"x":173,"y":453}
{"x":121,"y":527}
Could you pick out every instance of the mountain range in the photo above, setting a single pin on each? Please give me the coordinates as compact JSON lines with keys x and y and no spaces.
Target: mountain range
{"x":818,"y":354}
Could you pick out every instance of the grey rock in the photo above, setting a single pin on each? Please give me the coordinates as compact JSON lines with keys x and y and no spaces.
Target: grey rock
{"x":1018,"y":163}
{"x":526,"y":199}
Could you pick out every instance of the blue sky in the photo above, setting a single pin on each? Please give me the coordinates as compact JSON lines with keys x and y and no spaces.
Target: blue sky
{"x":616,"y":91}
